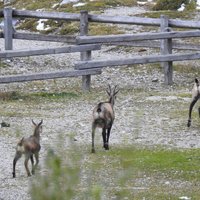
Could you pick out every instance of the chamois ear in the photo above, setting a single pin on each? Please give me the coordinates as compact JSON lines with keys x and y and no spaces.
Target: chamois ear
{"x":196,"y":81}
{"x":21,"y":141}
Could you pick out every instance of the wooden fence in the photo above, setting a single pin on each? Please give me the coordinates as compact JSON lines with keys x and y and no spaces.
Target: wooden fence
{"x":86,"y":44}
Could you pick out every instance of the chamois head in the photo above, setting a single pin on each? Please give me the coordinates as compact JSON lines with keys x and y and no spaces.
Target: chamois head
{"x":38,"y":128}
{"x":112,"y":94}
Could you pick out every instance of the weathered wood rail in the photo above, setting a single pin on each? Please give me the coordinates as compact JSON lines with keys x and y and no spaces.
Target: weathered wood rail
{"x":86,"y":44}
{"x":47,"y":51}
{"x":166,"y":44}
{"x":48,"y":75}
{"x":135,"y":37}
{"x":136,"y":60}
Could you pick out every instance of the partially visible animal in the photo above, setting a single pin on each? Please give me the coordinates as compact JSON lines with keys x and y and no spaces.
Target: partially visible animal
{"x":195,"y":98}
{"x":29,"y":147}
{"x":103,"y":117}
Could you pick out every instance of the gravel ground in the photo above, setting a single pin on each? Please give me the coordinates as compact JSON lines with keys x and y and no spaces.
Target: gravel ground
{"x":147,"y":112}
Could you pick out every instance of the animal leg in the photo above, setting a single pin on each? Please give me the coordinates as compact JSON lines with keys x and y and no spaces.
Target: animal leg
{"x":32,"y":162}
{"x":104,"y":137}
{"x":93,"y":133}
{"x":17,"y":157}
{"x":190,"y":110}
{"x":37,"y":159}
{"x":199,"y":111}
{"x":107,"y":139}
{"x":26,"y":164}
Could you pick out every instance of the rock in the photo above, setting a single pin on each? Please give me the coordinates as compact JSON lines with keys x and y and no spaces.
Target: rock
{"x":5,"y":124}
{"x":155,"y":80}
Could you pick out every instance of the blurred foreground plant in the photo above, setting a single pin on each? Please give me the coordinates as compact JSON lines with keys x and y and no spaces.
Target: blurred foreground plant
{"x":60,"y":180}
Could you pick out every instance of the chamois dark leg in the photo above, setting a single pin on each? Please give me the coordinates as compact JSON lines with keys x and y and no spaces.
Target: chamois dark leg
{"x":37,"y":159}
{"x":199,"y":111}
{"x":26,"y":164}
{"x":32,"y":162}
{"x":190,"y":110}
{"x":17,"y":157}
{"x":93,"y":133}
{"x":107,"y":139}
{"x":104,"y":137}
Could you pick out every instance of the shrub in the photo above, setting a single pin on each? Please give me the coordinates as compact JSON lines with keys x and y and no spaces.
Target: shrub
{"x":60,"y":182}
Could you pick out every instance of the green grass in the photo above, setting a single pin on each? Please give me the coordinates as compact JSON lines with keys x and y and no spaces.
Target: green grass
{"x":119,"y":172}
{"x":12,"y":96}
{"x":97,"y":6}
{"x":155,"y":162}
{"x":171,"y":14}
{"x":3,"y":64}
{"x":67,"y":95}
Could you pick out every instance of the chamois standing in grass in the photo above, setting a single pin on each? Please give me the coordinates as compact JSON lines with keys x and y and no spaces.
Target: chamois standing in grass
{"x":195,"y":98}
{"x":29,"y":147}
{"x":103,"y":117}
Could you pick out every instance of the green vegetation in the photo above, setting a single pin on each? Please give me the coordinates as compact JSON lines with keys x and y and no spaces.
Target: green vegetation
{"x":9,"y":96}
{"x":63,"y":27}
{"x":173,"y":4}
{"x":66,"y":95}
{"x":170,"y":13}
{"x":61,"y":179}
{"x":187,"y":69}
{"x":102,"y":29}
{"x":33,"y":5}
{"x":3,"y":65}
{"x":116,"y":173}
{"x":96,"y":5}
{"x":12,"y":96}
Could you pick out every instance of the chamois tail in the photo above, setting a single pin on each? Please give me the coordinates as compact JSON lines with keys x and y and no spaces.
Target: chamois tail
{"x":99,"y":108}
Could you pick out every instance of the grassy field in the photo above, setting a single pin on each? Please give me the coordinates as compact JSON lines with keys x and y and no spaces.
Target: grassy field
{"x":122,"y":173}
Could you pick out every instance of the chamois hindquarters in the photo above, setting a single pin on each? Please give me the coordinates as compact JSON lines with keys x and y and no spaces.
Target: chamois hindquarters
{"x":29,"y":146}
{"x":195,"y":97}
{"x":103,"y":117}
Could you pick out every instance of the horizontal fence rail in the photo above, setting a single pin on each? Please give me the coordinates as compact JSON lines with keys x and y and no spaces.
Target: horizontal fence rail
{"x":136,"y":60}
{"x":48,"y":75}
{"x":43,"y":37}
{"x":47,"y":51}
{"x":143,"y":21}
{"x":156,"y":44}
{"x":46,"y":15}
{"x":136,"y":37}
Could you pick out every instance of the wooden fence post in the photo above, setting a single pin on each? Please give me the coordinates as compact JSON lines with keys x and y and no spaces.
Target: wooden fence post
{"x":166,"y":48}
{"x":8,"y":28}
{"x":86,"y":80}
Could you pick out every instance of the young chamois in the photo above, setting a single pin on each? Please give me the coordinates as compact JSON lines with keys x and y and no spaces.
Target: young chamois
{"x":29,"y":146}
{"x":195,"y":98}
{"x":103,"y":117}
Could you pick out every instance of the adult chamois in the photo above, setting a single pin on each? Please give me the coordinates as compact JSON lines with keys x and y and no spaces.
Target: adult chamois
{"x":29,"y":147}
{"x":103,"y":117}
{"x":195,"y":98}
